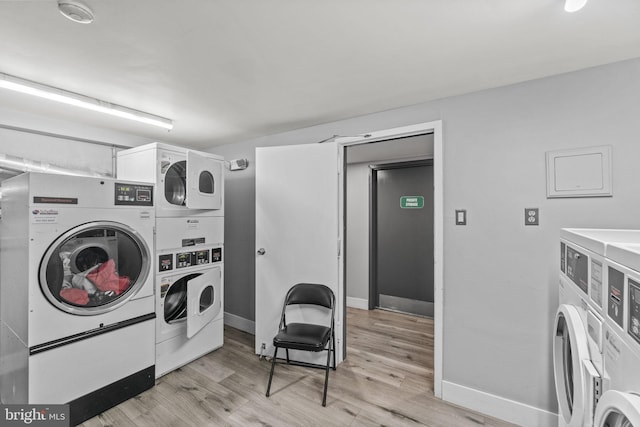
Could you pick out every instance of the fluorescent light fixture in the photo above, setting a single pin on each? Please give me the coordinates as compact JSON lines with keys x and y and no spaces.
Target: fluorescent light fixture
{"x":574,"y":5}
{"x":59,"y":95}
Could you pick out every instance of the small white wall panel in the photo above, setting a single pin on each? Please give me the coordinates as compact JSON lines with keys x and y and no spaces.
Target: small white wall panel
{"x":583,"y":172}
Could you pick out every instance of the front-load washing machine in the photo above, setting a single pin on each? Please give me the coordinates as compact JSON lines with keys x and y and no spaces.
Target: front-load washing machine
{"x":76,"y":289}
{"x":188,"y":182}
{"x":622,"y":338}
{"x":578,"y":329}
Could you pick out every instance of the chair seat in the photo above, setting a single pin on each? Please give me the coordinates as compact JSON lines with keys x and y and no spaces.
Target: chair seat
{"x":303,"y":336}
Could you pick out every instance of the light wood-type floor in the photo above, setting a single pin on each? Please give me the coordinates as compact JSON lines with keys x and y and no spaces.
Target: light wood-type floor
{"x":386,"y":380}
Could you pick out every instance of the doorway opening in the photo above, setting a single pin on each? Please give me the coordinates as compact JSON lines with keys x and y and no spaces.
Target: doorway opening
{"x":401,"y":237}
{"x":416,"y":143}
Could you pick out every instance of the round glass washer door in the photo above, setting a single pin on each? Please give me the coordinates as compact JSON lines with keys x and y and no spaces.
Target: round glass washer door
{"x":94,"y":268}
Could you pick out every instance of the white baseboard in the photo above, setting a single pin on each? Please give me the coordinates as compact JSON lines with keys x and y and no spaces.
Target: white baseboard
{"x":497,"y":407}
{"x":361,"y":303}
{"x":241,"y":323}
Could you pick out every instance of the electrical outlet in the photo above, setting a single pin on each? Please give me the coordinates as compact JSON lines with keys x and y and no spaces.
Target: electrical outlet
{"x":531,"y":216}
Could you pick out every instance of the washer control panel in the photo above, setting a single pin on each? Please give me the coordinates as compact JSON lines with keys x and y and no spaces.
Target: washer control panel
{"x":133,"y":194}
{"x":615,"y":303}
{"x":634,"y":309}
{"x":578,"y":268}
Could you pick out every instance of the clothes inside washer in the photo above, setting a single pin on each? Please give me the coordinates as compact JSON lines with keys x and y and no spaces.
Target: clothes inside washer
{"x":95,"y":286}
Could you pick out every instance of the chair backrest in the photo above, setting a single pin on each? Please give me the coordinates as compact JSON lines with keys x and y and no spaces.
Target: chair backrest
{"x":310,"y":293}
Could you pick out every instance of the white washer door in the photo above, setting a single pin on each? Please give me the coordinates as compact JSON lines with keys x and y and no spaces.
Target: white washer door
{"x":204,"y":300}
{"x":618,"y":409}
{"x":570,"y":350}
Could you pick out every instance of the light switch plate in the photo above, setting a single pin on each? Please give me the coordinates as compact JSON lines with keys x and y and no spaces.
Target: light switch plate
{"x":461,"y":217}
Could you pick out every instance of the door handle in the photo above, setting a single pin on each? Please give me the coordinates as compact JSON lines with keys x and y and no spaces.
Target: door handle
{"x":261,"y":251}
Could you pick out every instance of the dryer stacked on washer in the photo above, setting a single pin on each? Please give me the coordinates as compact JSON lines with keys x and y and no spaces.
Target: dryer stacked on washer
{"x":189,"y":275}
{"x":77,"y":291}
{"x":580,"y":331}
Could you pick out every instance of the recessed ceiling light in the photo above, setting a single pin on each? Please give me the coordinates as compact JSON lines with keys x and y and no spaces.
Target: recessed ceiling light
{"x":574,"y":5}
{"x":75,"y":11}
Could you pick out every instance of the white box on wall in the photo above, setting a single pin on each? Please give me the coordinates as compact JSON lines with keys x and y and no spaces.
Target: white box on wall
{"x":581,"y":172}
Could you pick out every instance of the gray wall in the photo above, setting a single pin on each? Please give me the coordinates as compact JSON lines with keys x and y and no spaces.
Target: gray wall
{"x":499,"y":276}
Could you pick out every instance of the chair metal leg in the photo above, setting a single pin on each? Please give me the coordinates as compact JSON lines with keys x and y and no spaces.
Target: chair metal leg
{"x":333,"y":341}
{"x":273,"y":365}
{"x":326,"y":376}
{"x":287,"y":350}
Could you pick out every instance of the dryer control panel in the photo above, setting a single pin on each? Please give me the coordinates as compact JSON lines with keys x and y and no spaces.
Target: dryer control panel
{"x":170,"y":261}
{"x":188,"y":259}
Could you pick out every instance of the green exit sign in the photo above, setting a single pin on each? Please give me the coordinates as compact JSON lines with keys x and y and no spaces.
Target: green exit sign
{"x":412,"y":202}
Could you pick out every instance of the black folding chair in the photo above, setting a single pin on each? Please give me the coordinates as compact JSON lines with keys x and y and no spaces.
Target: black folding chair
{"x":307,"y":336}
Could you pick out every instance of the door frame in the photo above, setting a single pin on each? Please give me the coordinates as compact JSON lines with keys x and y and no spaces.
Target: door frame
{"x":435,"y":128}
{"x":373,"y":222}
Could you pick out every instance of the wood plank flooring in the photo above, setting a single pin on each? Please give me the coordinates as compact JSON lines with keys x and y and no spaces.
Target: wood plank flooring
{"x":387,"y":380}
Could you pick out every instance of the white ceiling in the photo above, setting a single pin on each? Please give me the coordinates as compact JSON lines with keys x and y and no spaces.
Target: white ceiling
{"x":228,"y":70}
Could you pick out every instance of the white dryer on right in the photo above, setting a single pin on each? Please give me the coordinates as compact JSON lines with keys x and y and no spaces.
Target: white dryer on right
{"x":620,"y":404}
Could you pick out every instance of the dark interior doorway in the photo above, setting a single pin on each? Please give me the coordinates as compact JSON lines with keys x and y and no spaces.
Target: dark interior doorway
{"x":401,"y":228}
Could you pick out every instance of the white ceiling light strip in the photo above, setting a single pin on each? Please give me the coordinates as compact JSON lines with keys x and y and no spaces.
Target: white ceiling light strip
{"x":70,"y":98}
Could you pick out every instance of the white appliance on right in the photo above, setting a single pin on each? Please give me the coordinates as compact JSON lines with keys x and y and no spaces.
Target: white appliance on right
{"x":578,"y":343}
{"x":620,"y":402}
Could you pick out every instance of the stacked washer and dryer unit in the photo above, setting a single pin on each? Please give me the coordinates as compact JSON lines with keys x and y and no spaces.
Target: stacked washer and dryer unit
{"x":596,"y":348}
{"x":189,"y":267}
{"x":77,"y":295}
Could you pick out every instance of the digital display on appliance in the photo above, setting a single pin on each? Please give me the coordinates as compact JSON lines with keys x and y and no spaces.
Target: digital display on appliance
{"x":634,"y":310}
{"x":216,"y":254}
{"x":133,"y":194}
{"x":183,"y":260}
{"x":615,"y":301}
{"x":596,"y":282}
{"x":578,"y":268}
{"x":165,"y":262}
{"x":201,"y":257}
{"x":563,"y":257}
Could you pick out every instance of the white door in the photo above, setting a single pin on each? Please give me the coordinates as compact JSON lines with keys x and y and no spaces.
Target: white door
{"x":297,"y":231}
{"x":204,"y":182}
{"x":203,"y":300}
